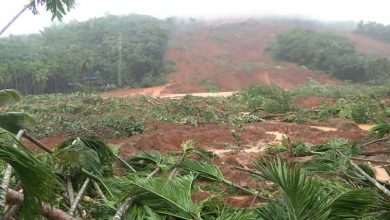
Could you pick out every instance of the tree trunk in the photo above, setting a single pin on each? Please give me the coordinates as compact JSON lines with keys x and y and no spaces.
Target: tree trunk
{"x":69,"y":188}
{"x":155,"y":171}
{"x":11,"y":212}
{"x":13,"y":19}
{"x":38,"y":143}
{"x":97,"y":187}
{"x":122,"y":210}
{"x":78,"y":198}
{"x":125,"y":206}
{"x":49,"y":212}
{"x":7,"y":175}
{"x":126,"y":164}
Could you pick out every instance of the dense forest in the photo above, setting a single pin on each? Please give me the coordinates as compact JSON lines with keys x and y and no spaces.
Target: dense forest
{"x":329,"y":53}
{"x":374,"y":29}
{"x":81,"y":55}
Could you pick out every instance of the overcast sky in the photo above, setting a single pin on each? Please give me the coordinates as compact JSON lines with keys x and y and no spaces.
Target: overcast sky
{"x":375,"y":10}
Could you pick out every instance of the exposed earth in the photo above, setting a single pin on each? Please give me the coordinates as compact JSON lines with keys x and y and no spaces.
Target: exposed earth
{"x":230,"y":56}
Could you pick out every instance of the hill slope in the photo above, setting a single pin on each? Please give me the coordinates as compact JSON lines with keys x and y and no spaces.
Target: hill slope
{"x":228,"y":57}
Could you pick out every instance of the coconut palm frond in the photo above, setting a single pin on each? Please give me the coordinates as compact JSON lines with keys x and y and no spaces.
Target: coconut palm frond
{"x":104,"y":151}
{"x":39,"y":180}
{"x":381,"y":128}
{"x":304,"y":198}
{"x":9,"y":96}
{"x":70,"y":161}
{"x":205,"y":170}
{"x":15,"y":121}
{"x":94,"y":155}
{"x":352,"y":204}
{"x":237,"y":214}
{"x":168,"y":197}
{"x":148,"y":160}
{"x":206,"y":155}
{"x":342,"y":145}
{"x":143,"y":212}
{"x":273,"y":210}
{"x":152,"y":156}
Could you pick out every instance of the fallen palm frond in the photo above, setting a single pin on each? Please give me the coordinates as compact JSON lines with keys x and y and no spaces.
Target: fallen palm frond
{"x":7,"y":174}
{"x":302,"y":197}
{"x":165,"y":197}
{"x":381,"y":128}
{"x":15,"y":121}
{"x":213,"y":173}
{"x":39,"y":180}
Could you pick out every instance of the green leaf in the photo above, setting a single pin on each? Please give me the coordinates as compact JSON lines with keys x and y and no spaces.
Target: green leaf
{"x":9,"y":96}
{"x":15,"y":121}
{"x":205,"y":170}
{"x":352,"y":204}
{"x":168,"y":197}
{"x":382,"y":128}
{"x":39,"y":181}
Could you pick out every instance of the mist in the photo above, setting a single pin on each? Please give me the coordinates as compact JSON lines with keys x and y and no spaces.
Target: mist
{"x":85,"y":9}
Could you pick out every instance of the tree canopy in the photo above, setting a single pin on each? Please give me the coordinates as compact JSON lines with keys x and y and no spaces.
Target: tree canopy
{"x":81,"y":54}
{"x":332,"y":54}
{"x":374,"y":29}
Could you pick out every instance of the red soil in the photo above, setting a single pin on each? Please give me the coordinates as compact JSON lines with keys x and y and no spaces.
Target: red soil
{"x":230,"y":55}
{"x":314,"y":101}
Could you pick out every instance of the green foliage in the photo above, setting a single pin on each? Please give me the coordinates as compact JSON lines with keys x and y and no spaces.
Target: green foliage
{"x":374,"y":29}
{"x":329,"y":53}
{"x":361,"y":109}
{"x":91,"y":154}
{"x":382,"y":127}
{"x":39,"y":180}
{"x":302,"y":197}
{"x":84,"y":55}
{"x":272,"y":98}
{"x":243,"y":118}
{"x":56,"y":7}
{"x":13,"y":121}
{"x":167,"y":197}
{"x":209,"y":85}
{"x":9,"y":96}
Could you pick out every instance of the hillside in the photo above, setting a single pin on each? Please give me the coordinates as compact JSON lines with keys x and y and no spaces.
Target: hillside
{"x":229,"y":56}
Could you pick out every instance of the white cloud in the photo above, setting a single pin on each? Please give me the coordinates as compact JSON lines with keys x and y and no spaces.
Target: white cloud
{"x":325,"y":10}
